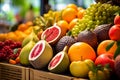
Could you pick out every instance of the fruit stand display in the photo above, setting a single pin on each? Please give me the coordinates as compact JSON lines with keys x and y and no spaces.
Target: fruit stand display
{"x":70,"y":44}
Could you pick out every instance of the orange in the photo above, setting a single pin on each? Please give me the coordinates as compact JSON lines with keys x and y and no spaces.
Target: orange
{"x":101,"y":49}
{"x":12,"y":36}
{"x":72,"y":6}
{"x":29,"y":23}
{"x":29,"y":30}
{"x":81,"y":51}
{"x":63,"y":25}
{"x":22,"y":27}
{"x":80,"y":8}
{"x":80,"y":13}
{"x":72,"y":23}
{"x":20,"y":35}
{"x":69,"y":14}
{"x":3,"y":36}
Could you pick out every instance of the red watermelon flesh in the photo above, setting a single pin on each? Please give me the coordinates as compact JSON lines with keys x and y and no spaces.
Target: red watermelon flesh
{"x":37,"y":50}
{"x":55,"y":60}
{"x":51,"y":34}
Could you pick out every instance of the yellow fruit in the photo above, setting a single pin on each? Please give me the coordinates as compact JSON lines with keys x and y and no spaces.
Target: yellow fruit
{"x":79,"y":69}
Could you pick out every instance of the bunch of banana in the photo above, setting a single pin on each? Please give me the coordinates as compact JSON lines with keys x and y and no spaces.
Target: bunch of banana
{"x":39,"y":21}
{"x":52,"y":17}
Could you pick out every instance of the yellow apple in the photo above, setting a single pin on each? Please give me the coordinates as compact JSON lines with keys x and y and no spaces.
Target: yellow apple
{"x":80,"y":68}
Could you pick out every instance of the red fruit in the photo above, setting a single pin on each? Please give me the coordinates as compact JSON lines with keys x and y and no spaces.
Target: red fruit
{"x":114,"y":32}
{"x":117,"y":19}
{"x":104,"y":59}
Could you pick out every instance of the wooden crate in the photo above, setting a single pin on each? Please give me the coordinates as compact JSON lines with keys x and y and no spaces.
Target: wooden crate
{"x":43,"y":75}
{"x":13,"y":72}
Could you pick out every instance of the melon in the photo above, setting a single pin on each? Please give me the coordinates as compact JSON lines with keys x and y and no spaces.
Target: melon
{"x":52,"y":34}
{"x":41,"y":54}
{"x":59,"y":62}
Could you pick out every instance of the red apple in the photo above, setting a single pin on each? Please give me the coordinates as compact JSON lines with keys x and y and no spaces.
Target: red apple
{"x":114,"y":32}
{"x":106,"y":58}
{"x":117,"y":19}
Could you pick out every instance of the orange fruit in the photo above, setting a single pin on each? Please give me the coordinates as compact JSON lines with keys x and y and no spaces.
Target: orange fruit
{"x":80,"y":13}
{"x":12,"y":36}
{"x":81,"y":51}
{"x":22,"y":27}
{"x":63,"y":25}
{"x":29,"y":30}
{"x":29,"y":23}
{"x":72,"y":6}
{"x":80,"y":8}
{"x":101,"y":49}
{"x":69,"y":14}
{"x":20,"y":35}
{"x":3,"y":36}
{"x":72,"y":23}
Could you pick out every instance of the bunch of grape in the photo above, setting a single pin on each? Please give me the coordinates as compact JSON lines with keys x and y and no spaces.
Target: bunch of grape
{"x":95,"y":15}
{"x":9,"y":49}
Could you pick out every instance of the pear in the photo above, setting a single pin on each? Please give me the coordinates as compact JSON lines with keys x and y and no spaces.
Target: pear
{"x":24,"y":54}
{"x":30,"y":37}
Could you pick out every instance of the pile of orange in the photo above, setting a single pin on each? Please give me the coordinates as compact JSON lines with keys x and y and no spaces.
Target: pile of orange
{"x":71,"y":14}
{"x":22,"y":31}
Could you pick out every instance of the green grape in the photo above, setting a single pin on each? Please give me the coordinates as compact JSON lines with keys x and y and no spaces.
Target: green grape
{"x":95,"y":15}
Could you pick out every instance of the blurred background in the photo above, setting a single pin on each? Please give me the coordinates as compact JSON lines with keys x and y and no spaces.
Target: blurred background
{"x":14,"y":12}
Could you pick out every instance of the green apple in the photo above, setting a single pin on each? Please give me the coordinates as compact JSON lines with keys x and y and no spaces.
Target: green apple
{"x":80,"y":68}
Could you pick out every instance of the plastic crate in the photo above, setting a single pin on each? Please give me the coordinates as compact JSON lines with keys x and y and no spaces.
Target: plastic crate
{"x":13,"y":72}
{"x":43,"y":75}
